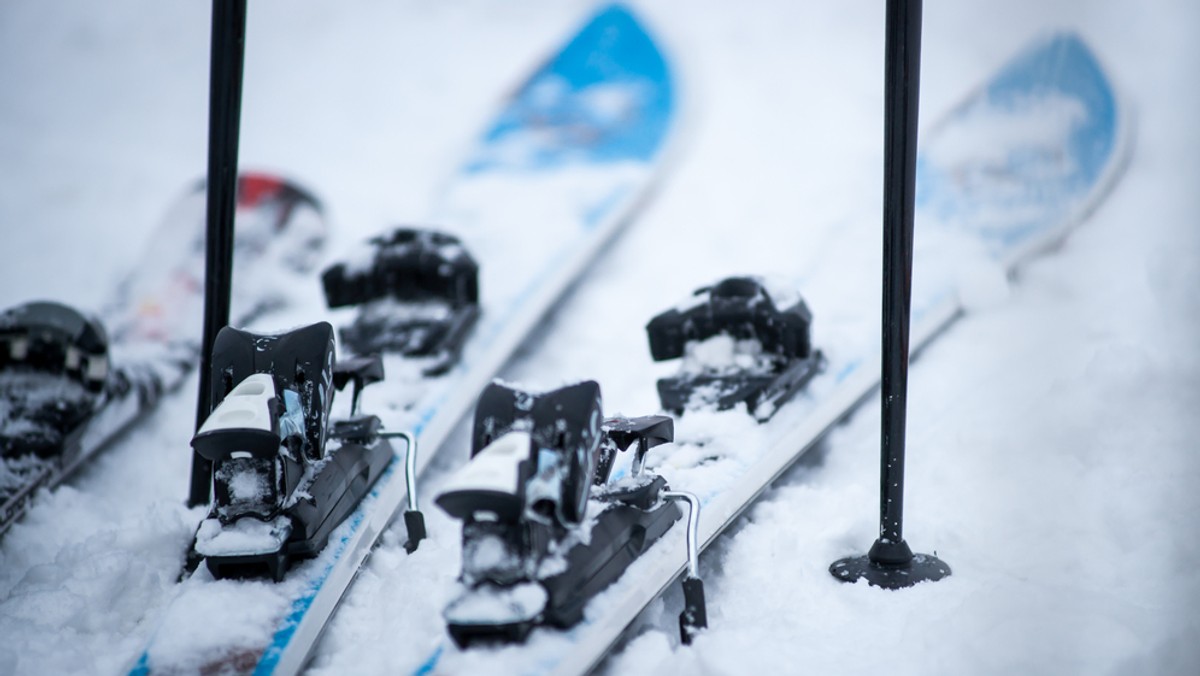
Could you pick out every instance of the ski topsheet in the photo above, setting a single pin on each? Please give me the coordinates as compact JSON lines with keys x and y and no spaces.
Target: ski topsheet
{"x":150,"y":332}
{"x":1004,"y":175}
{"x":563,"y":165}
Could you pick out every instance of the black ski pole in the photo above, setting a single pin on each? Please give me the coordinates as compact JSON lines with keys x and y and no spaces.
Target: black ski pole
{"x":891,"y":563}
{"x":224,"y":117}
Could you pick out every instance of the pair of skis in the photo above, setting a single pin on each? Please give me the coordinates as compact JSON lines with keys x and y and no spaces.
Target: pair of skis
{"x":1002,"y":177}
{"x":583,"y":140}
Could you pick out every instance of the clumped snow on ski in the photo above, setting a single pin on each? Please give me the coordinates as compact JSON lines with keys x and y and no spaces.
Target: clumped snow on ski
{"x":1052,"y":434}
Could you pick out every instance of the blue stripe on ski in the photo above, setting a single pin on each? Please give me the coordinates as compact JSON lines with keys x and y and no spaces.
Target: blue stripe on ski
{"x":607,"y":97}
{"x":431,"y":664}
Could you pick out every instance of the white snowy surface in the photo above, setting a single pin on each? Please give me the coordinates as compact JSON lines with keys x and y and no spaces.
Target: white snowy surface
{"x":492,"y":605}
{"x":243,"y":537}
{"x":1052,"y":431}
{"x":723,"y":353}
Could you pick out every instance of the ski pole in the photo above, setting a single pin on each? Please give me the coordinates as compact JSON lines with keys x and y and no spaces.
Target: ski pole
{"x":890,"y":563}
{"x":224,"y":113}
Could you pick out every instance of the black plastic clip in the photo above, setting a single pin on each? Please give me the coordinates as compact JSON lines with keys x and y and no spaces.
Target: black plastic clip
{"x":414,"y":521}
{"x":695,"y":615}
{"x":362,"y":371}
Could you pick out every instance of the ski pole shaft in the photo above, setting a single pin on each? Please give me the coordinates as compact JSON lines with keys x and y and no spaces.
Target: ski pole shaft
{"x":890,"y":563}
{"x":225,"y":106}
{"x":901,"y":94}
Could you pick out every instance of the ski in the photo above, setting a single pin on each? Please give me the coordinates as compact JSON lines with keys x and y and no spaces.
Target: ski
{"x":576,"y":148}
{"x":71,"y":381}
{"x":1002,"y":177}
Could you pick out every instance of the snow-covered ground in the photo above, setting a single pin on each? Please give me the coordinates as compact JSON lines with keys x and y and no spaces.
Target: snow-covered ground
{"x":1052,"y":431}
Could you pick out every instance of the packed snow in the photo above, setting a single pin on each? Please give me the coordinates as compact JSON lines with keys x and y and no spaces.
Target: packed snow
{"x":723,"y":353}
{"x":1052,"y":431}
{"x":243,"y":537}
{"x":487,"y":604}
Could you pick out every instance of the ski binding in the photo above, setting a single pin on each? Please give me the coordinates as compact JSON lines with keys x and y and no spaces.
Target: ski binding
{"x":545,"y":528}
{"x":53,"y":369}
{"x":739,"y":343}
{"x":418,"y":293}
{"x":284,"y":474}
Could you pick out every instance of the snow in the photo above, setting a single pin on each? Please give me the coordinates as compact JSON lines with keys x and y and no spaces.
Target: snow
{"x":1051,"y":432}
{"x":723,"y":353}
{"x":390,"y":308}
{"x":25,"y":391}
{"x":242,"y":537}
{"x":16,"y":472}
{"x":488,"y":552}
{"x":495,"y":605}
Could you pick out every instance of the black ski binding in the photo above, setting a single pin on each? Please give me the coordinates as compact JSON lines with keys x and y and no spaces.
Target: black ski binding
{"x":55,"y":379}
{"x":53,"y":370}
{"x":284,"y":474}
{"x":739,"y":345}
{"x":545,"y":528}
{"x":418,"y":295}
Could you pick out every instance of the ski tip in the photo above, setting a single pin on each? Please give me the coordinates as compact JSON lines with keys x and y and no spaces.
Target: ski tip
{"x":258,"y":186}
{"x":1035,"y":147}
{"x":1060,"y":61}
{"x":608,"y":95}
